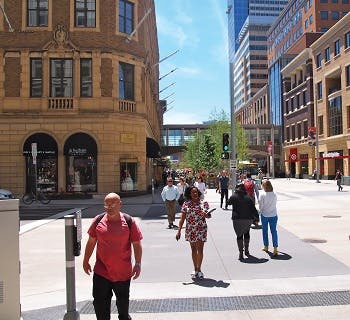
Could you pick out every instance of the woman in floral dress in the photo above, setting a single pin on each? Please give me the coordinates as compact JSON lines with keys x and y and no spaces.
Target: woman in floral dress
{"x":195,"y":212}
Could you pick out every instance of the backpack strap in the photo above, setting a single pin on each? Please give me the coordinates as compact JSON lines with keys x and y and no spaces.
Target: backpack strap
{"x":127,"y":217}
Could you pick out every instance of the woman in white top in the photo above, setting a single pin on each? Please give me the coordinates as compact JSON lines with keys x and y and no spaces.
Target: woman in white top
{"x":268,"y":210}
{"x":200,"y":185}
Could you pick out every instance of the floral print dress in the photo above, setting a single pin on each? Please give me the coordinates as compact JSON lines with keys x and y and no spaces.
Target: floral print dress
{"x":196,"y":225}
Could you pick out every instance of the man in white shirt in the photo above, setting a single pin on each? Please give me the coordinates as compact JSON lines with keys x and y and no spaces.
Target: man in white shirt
{"x":170,"y":195}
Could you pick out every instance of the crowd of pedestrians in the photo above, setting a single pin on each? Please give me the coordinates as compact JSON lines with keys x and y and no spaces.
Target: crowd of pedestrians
{"x":116,"y":235}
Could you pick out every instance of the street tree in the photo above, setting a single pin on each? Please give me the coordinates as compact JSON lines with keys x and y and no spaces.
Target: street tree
{"x":207,"y":153}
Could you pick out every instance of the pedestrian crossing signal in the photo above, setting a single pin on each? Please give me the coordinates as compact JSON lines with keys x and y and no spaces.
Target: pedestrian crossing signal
{"x":225,"y":142}
{"x":225,"y":155}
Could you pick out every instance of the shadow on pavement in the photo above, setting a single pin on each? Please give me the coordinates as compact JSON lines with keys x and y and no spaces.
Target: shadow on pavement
{"x":208,"y":283}
{"x":253,"y":259}
{"x":280,"y":256}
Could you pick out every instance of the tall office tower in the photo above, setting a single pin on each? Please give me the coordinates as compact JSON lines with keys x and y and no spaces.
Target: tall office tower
{"x":298,"y":26}
{"x":248,"y":22}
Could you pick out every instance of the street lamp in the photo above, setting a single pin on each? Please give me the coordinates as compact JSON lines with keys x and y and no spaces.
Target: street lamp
{"x":317,"y":158}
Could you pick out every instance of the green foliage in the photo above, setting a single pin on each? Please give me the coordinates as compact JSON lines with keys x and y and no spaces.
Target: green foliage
{"x":207,"y":153}
{"x":204,"y":151}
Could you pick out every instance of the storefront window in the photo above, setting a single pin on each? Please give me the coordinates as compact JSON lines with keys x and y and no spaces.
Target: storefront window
{"x":304,"y":162}
{"x":81,"y":163}
{"x":44,"y":171}
{"x":128,"y":176}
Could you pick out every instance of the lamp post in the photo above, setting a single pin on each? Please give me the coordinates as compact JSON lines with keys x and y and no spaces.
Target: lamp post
{"x":317,"y":158}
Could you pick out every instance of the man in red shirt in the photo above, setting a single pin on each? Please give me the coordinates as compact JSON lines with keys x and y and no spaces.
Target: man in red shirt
{"x":113,"y":268}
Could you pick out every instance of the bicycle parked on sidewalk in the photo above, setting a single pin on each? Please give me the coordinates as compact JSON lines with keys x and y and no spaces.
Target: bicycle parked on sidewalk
{"x":30,"y":197}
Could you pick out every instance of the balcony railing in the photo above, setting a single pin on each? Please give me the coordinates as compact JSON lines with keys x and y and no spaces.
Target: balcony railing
{"x":60,"y":104}
{"x":127,"y":106}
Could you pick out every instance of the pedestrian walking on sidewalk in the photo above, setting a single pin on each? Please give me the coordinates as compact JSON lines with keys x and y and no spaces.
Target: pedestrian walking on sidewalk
{"x":182,"y":186}
{"x":195,"y":212}
{"x":113,"y":233}
{"x":338,"y":177}
{"x":244,"y":214}
{"x":170,"y":194}
{"x":200,"y":184}
{"x":223,"y":188}
{"x":268,"y":211}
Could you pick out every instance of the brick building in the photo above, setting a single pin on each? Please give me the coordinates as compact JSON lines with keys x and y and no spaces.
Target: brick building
{"x":78,"y":83}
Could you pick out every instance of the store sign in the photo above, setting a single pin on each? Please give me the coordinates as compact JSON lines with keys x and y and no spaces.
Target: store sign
{"x":331,"y":155}
{"x":293,"y":154}
{"x":77,"y":151}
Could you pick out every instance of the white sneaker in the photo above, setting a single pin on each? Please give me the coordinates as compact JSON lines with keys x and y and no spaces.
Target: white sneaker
{"x":194,"y":274}
{"x":200,"y":275}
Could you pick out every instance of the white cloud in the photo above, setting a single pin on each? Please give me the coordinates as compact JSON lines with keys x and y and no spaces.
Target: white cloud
{"x":176,"y":117}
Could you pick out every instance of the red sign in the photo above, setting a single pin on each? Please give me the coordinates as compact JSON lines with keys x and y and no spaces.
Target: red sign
{"x":293,"y":154}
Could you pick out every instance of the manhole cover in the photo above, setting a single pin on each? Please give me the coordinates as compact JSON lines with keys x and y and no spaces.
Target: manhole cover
{"x":311,"y":240}
{"x":331,"y":216}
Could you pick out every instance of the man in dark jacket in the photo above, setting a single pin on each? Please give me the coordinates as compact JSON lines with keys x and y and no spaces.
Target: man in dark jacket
{"x":244,"y":214}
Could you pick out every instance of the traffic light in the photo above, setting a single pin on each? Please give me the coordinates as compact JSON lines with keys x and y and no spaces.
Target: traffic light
{"x":225,"y":142}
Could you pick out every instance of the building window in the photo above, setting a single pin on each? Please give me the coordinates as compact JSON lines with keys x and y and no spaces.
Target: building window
{"x":319,"y":90}
{"x":311,"y":18}
{"x":36,"y":77}
{"x":327,"y":54}
{"x":335,"y":15}
{"x":347,"y":40}
{"x":348,"y":113}
{"x":85,"y":13}
{"x":126,"y":16}
{"x":126,"y":81}
{"x":320,"y":124}
{"x":37,"y":13}
{"x":324,"y":15}
{"x":306,"y":129}
{"x":323,"y":1}
{"x":334,"y":1}
{"x":319,"y":60}
{"x":336,"y":47}
{"x":304,"y":98}
{"x":288,"y":133}
{"x":293,"y":132}
{"x":347,"y":74}
{"x":299,"y":131}
{"x":86,"y":77}
{"x":345,"y":1}
{"x":335,"y":116}
{"x":61,"y":80}
{"x":128,"y":176}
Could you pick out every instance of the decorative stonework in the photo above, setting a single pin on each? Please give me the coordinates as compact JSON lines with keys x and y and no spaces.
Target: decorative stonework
{"x":60,"y":40}
{"x":60,"y":35}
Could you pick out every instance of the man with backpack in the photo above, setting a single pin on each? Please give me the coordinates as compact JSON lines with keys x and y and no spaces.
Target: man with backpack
{"x":113,"y":233}
{"x":251,"y":187}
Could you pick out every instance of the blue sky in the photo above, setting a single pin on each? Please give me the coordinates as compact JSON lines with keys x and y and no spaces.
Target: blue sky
{"x":198,"y":29}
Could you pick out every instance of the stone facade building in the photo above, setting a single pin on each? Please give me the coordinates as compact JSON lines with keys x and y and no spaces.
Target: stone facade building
{"x":331,"y":56}
{"x":79,"y":104}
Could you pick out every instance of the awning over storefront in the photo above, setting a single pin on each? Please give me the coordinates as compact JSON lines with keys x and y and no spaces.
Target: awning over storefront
{"x":80,"y":144}
{"x":152,"y":148}
{"x":46,"y":145}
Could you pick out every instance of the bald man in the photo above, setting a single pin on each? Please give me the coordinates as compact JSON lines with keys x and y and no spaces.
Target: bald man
{"x":113,"y":235}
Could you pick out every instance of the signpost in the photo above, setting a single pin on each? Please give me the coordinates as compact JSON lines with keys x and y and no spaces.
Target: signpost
{"x":34,"y":155}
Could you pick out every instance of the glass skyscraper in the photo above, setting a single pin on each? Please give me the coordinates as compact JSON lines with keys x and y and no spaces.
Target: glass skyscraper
{"x":246,"y":20}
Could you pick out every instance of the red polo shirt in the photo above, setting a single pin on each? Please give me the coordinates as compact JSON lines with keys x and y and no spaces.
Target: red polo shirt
{"x":113,"y":252}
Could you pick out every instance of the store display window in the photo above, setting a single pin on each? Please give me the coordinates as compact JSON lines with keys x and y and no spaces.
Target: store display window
{"x":128,"y":176}
{"x":44,"y":169}
{"x":80,"y":151}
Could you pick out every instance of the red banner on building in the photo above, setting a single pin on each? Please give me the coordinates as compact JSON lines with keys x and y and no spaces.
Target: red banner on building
{"x":293,"y":154}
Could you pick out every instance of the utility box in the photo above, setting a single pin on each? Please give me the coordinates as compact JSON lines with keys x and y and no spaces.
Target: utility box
{"x":10,"y":308}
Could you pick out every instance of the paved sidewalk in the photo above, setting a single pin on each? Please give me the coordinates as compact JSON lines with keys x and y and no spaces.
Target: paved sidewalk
{"x":309,"y":280}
